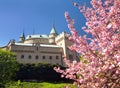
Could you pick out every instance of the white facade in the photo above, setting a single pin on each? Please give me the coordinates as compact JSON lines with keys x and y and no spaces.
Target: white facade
{"x":52,"y":48}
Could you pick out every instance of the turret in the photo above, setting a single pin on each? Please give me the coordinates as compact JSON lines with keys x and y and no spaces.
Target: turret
{"x":52,"y":35}
{"x":22,"y":38}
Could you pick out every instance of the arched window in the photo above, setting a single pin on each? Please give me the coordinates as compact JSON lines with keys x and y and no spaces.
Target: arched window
{"x":22,"y":56}
{"x":57,"y":57}
{"x":29,"y":56}
{"x":36,"y":57}
{"x":43,"y":57}
{"x":50,"y":57}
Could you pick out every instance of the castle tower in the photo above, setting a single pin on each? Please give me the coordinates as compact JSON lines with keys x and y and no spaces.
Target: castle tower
{"x":22,"y":38}
{"x":52,"y":35}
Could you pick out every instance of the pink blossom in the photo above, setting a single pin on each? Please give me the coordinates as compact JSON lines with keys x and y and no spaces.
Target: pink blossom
{"x":66,"y":15}
{"x":75,"y":4}
{"x":100,"y":64}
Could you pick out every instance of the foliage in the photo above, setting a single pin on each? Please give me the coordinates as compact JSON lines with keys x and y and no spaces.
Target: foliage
{"x":38,"y":85}
{"x":38,"y":72}
{"x":101,"y":51}
{"x":8,"y":65}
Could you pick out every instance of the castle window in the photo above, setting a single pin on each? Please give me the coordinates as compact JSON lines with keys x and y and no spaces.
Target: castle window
{"x":43,"y":57}
{"x":36,"y":57}
{"x":57,"y":57}
{"x":70,"y":58}
{"x":29,"y":56}
{"x":50,"y":57}
{"x":37,"y":48}
{"x":22,"y":56}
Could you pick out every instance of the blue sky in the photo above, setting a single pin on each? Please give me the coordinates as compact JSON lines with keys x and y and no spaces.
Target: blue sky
{"x":37,"y":15}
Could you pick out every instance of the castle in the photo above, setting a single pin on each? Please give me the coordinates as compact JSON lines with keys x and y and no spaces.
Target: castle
{"x":51,"y":49}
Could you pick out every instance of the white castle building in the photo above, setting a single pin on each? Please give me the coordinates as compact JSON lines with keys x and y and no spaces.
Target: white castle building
{"x":52,"y":48}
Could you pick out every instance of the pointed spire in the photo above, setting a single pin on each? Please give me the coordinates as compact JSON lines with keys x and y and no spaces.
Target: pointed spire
{"x":33,"y":31}
{"x":23,"y":34}
{"x":53,"y":30}
{"x":22,"y":37}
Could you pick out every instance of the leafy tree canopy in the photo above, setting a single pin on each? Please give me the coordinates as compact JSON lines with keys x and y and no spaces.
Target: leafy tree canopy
{"x":8,"y":65}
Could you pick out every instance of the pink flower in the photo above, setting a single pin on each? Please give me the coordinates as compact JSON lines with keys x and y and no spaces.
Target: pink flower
{"x":100,"y":54}
{"x":66,"y":14}
{"x":75,"y":4}
{"x":109,"y":25}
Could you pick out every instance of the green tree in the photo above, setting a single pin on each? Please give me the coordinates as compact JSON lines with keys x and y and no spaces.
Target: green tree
{"x":8,"y":66}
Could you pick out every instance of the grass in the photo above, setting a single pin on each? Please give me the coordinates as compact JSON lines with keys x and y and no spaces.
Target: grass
{"x":37,"y":85}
